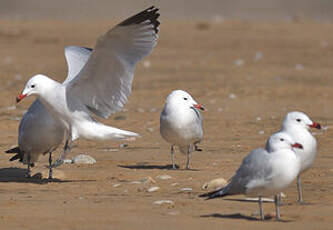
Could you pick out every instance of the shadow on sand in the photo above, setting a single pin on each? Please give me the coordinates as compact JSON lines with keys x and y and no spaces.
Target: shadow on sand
{"x":18,"y":175}
{"x":147,"y":166}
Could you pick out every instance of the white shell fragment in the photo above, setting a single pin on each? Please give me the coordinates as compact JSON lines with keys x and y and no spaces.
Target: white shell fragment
{"x":153,"y":189}
{"x":186,"y":189}
{"x":163,"y":177}
{"x":215,"y":184}
{"x":160,"y":202}
{"x":83,"y":159}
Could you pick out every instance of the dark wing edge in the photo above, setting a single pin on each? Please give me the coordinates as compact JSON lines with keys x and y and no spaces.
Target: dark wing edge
{"x":150,"y":14}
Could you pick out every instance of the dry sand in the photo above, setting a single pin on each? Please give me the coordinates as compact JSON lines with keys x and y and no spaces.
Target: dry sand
{"x":248,"y":75}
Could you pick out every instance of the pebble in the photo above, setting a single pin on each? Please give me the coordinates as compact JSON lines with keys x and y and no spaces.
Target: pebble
{"x":68,"y":161}
{"x":164,"y":177}
{"x":116,"y":185}
{"x":258,"y":56}
{"x":146,"y":64}
{"x":123,"y":145}
{"x":174,"y":184}
{"x":261,"y":132}
{"x":232,"y":96}
{"x":140,"y":110}
{"x":215,"y":184}
{"x":153,"y":189}
{"x":186,"y":189}
{"x":299,"y":67}
{"x":239,"y":62}
{"x":160,"y":202}
{"x":150,"y":129}
{"x":83,"y":159}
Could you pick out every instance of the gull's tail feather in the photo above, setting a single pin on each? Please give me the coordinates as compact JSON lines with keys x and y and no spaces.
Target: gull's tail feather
{"x":215,"y":194}
{"x":17,"y":156}
{"x":96,"y":130}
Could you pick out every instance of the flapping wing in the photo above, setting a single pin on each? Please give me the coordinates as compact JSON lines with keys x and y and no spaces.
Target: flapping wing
{"x":105,"y":82}
{"x":76,"y":58}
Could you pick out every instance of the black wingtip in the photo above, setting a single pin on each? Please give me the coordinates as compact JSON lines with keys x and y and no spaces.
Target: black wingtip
{"x":150,"y":14}
{"x":13,"y":150}
{"x":16,"y":157}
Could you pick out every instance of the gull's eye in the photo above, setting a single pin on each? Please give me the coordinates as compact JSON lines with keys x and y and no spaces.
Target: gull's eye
{"x":185,"y":98}
{"x":298,"y":120}
{"x":281,"y":139}
{"x":32,"y":86}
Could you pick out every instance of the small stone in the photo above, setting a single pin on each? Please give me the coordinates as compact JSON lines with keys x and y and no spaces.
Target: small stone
{"x":153,"y":110}
{"x":150,"y":129}
{"x":215,"y":184}
{"x":258,"y":118}
{"x":239,"y":62}
{"x":83,"y":159}
{"x":124,"y":145}
{"x":17,"y":77}
{"x":299,"y":67}
{"x":261,"y":132}
{"x":116,"y":185}
{"x":160,"y":202}
{"x":153,"y":189}
{"x":146,"y":64}
{"x":140,"y":110}
{"x":232,"y":96}
{"x":258,"y":56}
{"x":164,"y":177}
{"x":186,"y":189}
{"x":135,"y":182}
{"x":176,"y":184}
{"x":68,"y":161}
{"x":148,"y":180}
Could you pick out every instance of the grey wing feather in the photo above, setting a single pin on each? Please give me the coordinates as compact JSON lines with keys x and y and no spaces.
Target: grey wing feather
{"x":76,"y":58}
{"x":105,"y":82}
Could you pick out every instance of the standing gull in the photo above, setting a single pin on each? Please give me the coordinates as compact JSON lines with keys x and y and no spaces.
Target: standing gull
{"x":297,"y":125}
{"x":265,"y":172}
{"x":39,"y":132}
{"x":104,"y":83}
{"x":181,"y":123}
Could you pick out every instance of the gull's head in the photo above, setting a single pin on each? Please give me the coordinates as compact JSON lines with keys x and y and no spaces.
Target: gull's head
{"x":281,"y":140}
{"x":35,"y":86}
{"x":299,"y":119}
{"x":181,"y":99}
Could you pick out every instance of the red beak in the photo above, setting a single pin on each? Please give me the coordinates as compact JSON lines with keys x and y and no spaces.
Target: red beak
{"x":20,"y":97}
{"x":315,"y":125}
{"x":297,"y":145}
{"x":199,"y":106}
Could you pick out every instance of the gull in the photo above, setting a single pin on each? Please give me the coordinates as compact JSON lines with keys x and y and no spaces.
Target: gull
{"x":181,"y":123}
{"x":39,"y":132}
{"x":265,"y":172}
{"x":103,"y":85}
{"x":297,"y":125}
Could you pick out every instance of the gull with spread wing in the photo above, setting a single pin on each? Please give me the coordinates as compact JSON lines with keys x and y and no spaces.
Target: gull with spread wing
{"x":103,"y":85}
{"x":39,"y":132}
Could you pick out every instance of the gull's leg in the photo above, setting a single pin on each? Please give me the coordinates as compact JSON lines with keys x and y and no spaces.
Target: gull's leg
{"x":188,"y":155}
{"x":50,"y":166}
{"x":299,"y":188}
{"x":277,"y":207}
{"x":67,"y":148}
{"x":262,"y":217}
{"x":29,"y":165}
{"x":173,"y":157}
